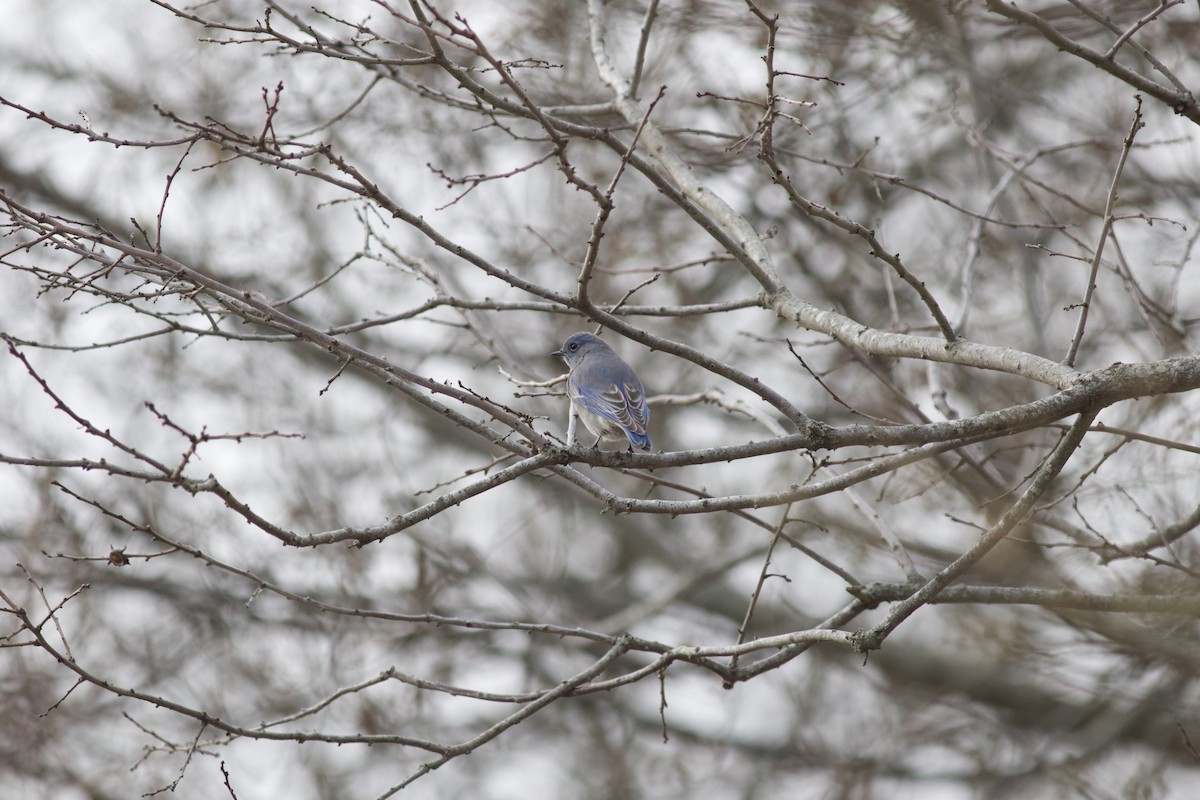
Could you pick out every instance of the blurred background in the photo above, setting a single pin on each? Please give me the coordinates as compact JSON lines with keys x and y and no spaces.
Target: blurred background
{"x":973,"y":147}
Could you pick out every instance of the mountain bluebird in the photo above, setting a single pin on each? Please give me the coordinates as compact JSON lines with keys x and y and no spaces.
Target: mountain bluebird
{"x":605,"y":393}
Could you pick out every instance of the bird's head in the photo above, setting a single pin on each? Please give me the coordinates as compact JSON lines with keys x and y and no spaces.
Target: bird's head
{"x":578,"y":346}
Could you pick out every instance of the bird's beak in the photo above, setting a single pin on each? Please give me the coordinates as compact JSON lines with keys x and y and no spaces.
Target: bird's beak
{"x":557,"y":353}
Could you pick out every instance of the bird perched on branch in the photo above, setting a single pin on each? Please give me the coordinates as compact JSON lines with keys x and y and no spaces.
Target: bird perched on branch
{"x":605,"y":392}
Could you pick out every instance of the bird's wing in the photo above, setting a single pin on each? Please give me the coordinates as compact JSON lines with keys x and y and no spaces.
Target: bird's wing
{"x":623,"y":403}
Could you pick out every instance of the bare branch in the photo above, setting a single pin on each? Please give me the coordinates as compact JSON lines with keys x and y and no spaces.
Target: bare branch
{"x":1178,"y":100}
{"x":1105,"y":230}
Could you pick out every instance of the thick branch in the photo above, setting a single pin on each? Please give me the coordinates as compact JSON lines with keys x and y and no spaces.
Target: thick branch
{"x":1181,"y":102}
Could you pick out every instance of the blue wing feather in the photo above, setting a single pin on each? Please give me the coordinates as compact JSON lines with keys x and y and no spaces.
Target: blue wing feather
{"x":622,"y":404}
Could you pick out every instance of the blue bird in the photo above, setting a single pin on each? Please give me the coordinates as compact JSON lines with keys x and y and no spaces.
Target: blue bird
{"x":605,"y":392}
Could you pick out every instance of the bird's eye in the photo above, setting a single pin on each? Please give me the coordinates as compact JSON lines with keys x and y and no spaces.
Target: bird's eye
{"x":574,"y":346}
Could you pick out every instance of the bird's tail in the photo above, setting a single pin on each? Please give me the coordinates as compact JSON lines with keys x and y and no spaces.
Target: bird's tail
{"x":639,"y":440}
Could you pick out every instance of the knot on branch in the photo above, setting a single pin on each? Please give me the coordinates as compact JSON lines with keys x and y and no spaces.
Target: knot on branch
{"x":818,"y":434}
{"x":557,"y":454}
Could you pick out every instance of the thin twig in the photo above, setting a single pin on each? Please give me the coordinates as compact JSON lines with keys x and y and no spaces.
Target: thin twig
{"x":1016,"y":514}
{"x":1105,"y":229}
{"x":1163,"y":5}
{"x":763,"y":574}
{"x":606,"y":205}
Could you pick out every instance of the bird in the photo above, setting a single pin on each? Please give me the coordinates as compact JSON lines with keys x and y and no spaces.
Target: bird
{"x":605,"y":392}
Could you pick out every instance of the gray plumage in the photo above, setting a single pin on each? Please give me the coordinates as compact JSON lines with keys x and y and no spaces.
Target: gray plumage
{"x":605,"y":391}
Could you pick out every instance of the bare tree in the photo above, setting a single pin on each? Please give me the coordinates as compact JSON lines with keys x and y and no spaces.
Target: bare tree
{"x":291,"y":507}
